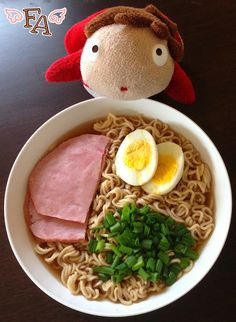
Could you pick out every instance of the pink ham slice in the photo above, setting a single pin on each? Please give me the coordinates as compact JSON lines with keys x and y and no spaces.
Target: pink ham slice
{"x":63,"y":183}
{"x":53,"y":229}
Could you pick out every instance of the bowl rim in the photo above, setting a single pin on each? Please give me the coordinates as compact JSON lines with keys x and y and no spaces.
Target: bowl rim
{"x":98,"y":313}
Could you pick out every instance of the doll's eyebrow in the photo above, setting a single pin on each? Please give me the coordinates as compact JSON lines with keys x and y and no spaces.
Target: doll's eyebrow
{"x":150,"y":17}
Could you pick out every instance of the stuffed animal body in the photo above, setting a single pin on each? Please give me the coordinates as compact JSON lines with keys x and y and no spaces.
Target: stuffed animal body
{"x":125,"y":53}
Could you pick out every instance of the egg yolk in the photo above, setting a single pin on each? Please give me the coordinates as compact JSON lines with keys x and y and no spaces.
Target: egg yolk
{"x":166,"y":169}
{"x":138,"y":154}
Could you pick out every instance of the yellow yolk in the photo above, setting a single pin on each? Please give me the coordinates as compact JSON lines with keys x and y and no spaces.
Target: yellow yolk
{"x":166,"y":169}
{"x":169,"y":169}
{"x":138,"y":155}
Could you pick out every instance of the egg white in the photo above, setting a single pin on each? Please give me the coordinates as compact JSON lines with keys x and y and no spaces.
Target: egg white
{"x":130,"y":175}
{"x":175,"y":151}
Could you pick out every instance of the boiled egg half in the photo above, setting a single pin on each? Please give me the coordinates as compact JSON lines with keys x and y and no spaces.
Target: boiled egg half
{"x":169,"y":170}
{"x":137,"y":158}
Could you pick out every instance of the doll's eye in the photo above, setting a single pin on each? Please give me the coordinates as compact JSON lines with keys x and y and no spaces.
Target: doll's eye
{"x":92,"y":49}
{"x":95,"y":48}
{"x":160,"y":54}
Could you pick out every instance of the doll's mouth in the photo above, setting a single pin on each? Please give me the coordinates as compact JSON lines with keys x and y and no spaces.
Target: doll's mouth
{"x":123,"y":89}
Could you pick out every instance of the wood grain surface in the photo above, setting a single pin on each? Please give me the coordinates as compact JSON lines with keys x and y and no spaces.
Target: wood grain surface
{"x":27,"y":100}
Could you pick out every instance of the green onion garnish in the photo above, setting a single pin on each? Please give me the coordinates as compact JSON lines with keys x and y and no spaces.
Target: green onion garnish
{"x":104,"y":269}
{"x":143,"y":274}
{"x":142,"y":242}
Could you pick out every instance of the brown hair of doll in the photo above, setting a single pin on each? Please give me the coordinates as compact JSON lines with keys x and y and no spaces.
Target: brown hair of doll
{"x":151,"y":17}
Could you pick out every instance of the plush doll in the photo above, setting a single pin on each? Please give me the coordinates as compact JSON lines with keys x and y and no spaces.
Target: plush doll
{"x":125,"y":53}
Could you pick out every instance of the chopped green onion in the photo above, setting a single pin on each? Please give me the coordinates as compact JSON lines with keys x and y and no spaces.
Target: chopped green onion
{"x":169,"y":222}
{"x":103,"y":277}
{"x":125,"y":238}
{"x":126,"y":250}
{"x":138,"y":264}
{"x":122,"y":267}
{"x":180,"y":248}
{"x":191,"y":254}
{"x":103,"y":269}
{"x":156,"y":226}
{"x":188,"y":240}
{"x":143,"y":274}
{"x":159,"y":266}
{"x":155,"y":241}
{"x":119,"y":210}
{"x":110,"y":219}
{"x":117,"y":278}
{"x":153,"y":277}
{"x":138,"y":243}
{"x":171,"y":241}
{"x":165,"y":272}
{"x":138,"y":227}
{"x":148,"y":253}
{"x":125,"y":214}
{"x":115,"y":250}
{"x":171,"y":279}
{"x":175,"y":268}
{"x":106,"y":223}
{"x":184,"y":262}
{"x":180,"y":229}
{"x":146,"y":231}
{"x":151,"y":220}
{"x":124,"y":224}
{"x":163,"y":257}
{"x":164,"y":244}
{"x":100,"y":245}
{"x":109,"y":258}
{"x":165,"y":229}
{"x":92,"y":245}
{"x":159,"y":218}
{"x":133,"y":208}
{"x":116,"y":261}
{"x":151,"y":264}
{"x":113,"y":234}
{"x":154,"y":253}
{"x":144,"y":210}
{"x":116,"y":227}
{"x":131,"y":261}
{"x":146,"y":243}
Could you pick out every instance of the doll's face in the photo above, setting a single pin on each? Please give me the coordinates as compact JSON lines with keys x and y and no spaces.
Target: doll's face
{"x":125,"y":62}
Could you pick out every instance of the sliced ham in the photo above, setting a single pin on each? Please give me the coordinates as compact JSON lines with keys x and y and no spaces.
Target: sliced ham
{"x":53,"y":229}
{"x":64,"y":182}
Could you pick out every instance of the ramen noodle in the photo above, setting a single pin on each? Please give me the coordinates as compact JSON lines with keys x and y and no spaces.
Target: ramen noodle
{"x":190,"y":202}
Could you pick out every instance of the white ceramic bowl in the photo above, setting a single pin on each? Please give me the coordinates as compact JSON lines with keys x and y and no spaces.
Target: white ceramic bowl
{"x":55,"y":128}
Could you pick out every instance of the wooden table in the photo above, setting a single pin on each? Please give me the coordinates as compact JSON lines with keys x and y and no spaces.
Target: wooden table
{"x":27,"y":100}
